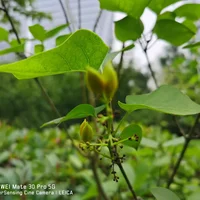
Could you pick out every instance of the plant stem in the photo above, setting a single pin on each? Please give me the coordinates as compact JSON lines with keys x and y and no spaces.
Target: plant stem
{"x":110,"y":145}
{"x":97,"y":20}
{"x":65,"y":14}
{"x":79,"y":14}
{"x":127,"y":180}
{"x":120,"y":62}
{"x":120,"y":123}
{"x":185,"y":146}
{"x":10,"y":21}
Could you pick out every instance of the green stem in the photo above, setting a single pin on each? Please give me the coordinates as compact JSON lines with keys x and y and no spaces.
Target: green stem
{"x":120,"y":123}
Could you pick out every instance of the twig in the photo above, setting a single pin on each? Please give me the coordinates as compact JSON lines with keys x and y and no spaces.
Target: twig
{"x":120,"y":62}
{"x":10,"y":20}
{"x":148,"y":61}
{"x":2,"y":9}
{"x":97,"y":20}
{"x":65,"y":14}
{"x":187,"y":141}
{"x":179,"y":127}
{"x":96,"y":177}
{"x":79,"y":14}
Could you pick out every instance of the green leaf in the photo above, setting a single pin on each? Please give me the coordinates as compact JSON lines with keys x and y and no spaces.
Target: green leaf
{"x":134,"y":8}
{"x":80,"y":111}
{"x":128,"y":28}
{"x":166,"y":99}
{"x":190,"y":11}
{"x":14,"y":49}
{"x":190,"y":24}
{"x":38,"y":32}
{"x":197,"y":44}
{"x":82,"y":49}
{"x":132,"y":131}
{"x":62,"y":38}
{"x":167,"y":15}
{"x":39,"y":48}
{"x":55,"y":31}
{"x":99,"y":109}
{"x":110,"y":56}
{"x":158,"y":5}
{"x":173,"y":32}
{"x":164,"y":194}
{"x":3,"y":34}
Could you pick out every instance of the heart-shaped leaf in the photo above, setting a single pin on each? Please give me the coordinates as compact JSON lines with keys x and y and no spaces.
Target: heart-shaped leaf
{"x":166,"y":99}
{"x":133,"y":134}
{"x":82,"y":49}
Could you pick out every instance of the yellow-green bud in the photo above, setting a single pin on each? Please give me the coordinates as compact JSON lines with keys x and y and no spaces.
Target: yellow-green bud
{"x":94,"y":80}
{"x":111,"y":81}
{"x":86,"y":131}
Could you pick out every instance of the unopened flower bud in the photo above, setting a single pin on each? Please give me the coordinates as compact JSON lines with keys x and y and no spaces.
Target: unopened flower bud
{"x":111,"y":81}
{"x":94,"y":80}
{"x":86,"y":131}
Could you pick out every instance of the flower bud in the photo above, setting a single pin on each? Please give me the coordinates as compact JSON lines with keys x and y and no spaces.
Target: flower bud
{"x":111,"y":81}
{"x":94,"y":80}
{"x":86,"y":131}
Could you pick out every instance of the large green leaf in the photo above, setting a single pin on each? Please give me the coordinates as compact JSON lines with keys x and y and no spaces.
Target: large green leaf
{"x":82,"y":49}
{"x":190,"y":11}
{"x":173,"y":32}
{"x":164,"y":194}
{"x":134,"y":135}
{"x":128,"y":28}
{"x":158,"y":5}
{"x":80,"y":111}
{"x":166,"y":99}
{"x":134,"y":8}
{"x":3,"y":34}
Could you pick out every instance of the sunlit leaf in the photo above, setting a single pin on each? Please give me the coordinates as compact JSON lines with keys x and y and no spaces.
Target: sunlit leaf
{"x":166,"y":99}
